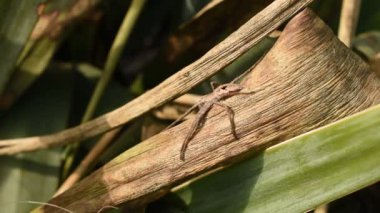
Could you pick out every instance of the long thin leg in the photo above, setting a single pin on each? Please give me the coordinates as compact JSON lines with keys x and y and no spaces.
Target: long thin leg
{"x":231,"y":117}
{"x":247,"y":93}
{"x":194,"y":127}
{"x":250,"y":92}
{"x":182,"y":116}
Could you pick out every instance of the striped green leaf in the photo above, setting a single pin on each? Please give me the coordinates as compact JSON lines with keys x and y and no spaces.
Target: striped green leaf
{"x":297,"y":175}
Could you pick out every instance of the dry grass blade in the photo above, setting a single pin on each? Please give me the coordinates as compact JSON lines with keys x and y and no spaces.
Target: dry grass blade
{"x":218,"y":57}
{"x":309,"y":78}
{"x":348,"y":21}
{"x":89,"y":161}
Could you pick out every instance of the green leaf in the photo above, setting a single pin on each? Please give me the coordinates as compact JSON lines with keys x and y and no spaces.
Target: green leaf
{"x":34,"y":176}
{"x":25,"y":56}
{"x":297,"y":175}
{"x":17,"y":21}
{"x":29,"y":69}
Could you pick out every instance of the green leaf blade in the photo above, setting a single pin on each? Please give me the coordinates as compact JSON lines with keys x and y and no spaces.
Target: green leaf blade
{"x":16,"y":23}
{"x":299,"y":174}
{"x":43,"y":109}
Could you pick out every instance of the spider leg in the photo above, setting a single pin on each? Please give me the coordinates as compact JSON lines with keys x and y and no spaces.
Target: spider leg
{"x":246,"y":93}
{"x":253,"y":91}
{"x":194,"y":127}
{"x":182,"y":116}
{"x":231,"y":116}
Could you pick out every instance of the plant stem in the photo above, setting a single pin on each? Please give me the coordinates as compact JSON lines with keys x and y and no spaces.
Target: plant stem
{"x":114,"y":55}
{"x":348,"y":21}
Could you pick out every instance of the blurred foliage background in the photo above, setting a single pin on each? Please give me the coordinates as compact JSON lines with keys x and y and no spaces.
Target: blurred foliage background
{"x":49,"y":73}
